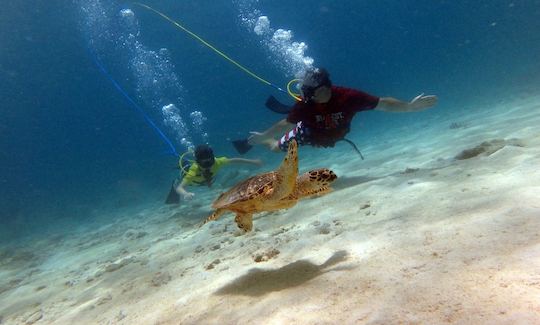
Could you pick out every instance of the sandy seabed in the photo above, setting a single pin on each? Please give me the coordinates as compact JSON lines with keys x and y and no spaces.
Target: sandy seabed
{"x":440,"y":224}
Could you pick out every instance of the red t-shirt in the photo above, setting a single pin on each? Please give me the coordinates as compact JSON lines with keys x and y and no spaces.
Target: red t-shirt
{"x":330,"y":122}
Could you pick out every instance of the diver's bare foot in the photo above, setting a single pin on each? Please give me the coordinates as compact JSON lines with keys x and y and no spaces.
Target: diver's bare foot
{"x":272,"y":144}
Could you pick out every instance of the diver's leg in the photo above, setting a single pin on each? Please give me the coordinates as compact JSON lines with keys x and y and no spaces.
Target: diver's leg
{"x":272,"y":144}
{"x":298,"y":133}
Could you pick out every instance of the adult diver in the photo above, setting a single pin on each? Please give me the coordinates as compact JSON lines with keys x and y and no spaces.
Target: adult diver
{"x":324,"y":114}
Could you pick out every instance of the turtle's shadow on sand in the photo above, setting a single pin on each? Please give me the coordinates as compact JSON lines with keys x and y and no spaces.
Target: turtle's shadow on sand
{"x":258,"y":282}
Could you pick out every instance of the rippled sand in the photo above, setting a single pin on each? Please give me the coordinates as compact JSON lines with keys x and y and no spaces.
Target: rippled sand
{"x":440,"y":224}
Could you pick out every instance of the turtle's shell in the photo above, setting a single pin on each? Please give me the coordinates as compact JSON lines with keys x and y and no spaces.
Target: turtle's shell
{"x":255,"y":188}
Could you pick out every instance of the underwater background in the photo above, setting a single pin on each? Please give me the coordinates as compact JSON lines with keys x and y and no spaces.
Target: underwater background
{"x":74,"y":150}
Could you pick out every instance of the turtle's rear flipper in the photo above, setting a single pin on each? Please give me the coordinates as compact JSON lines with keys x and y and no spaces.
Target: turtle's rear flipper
{"x":242,"y":146}
{"x":214,"y":216}
{"x":244,"y":221}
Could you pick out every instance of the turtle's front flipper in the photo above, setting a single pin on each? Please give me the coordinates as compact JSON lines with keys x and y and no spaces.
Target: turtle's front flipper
{"x":244,"y":221}
{"x":314,"y":182}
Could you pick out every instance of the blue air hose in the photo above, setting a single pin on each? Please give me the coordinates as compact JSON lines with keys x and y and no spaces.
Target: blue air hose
{"x":133,"y":104}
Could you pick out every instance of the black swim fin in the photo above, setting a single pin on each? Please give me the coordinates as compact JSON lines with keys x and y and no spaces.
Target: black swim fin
{"x":242,"y":146}
{"x":173,"y":197}
{"x":276,"y":106}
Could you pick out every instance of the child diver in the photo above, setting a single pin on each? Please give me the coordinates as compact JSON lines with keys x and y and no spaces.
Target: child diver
{"x":201,"y":172}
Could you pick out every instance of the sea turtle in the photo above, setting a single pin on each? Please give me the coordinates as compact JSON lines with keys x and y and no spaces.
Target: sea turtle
{"x":275,"y":190}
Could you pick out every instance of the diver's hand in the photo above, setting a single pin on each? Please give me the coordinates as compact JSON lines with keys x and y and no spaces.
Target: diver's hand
{"x":256,"y":138}
{"x":188,"y":196}
{"x":421,"y":102}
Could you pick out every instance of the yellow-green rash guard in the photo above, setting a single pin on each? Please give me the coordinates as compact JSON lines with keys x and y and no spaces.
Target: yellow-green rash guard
{"x":194,"y":174}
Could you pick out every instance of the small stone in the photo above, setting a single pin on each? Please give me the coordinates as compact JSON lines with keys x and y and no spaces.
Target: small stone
{"x":113,"y":267}
{"x":34,"y":317}
{"x":315,"y":223}
{"x":365,"y":206}
{"x":33,"y":271}
{"x":132,"y":234}
{"x":104,"y":299}
{"x":258,"y":258}
{"x":141,"y":234}
{"x":116,"y":266}
{"x":263,"y":257}
{"x":41,"y":287}
{"x":70,"y":283}
{"x":213,"y":264}
{"x":409,"y":170}
{"x":324,"y":229}
{"x":121,"y":315}
{"x":160,"y":279}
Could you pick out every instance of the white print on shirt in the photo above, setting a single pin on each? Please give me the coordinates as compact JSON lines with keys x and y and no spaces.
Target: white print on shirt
{"x":329,"y":121}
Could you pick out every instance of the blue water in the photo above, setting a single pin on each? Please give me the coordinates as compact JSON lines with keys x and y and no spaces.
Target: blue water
{"x":72,"y":148}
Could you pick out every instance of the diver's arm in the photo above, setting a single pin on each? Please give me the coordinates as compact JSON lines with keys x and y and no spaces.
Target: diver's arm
{"x":182,"y":191}
{"x":420,"y":102}
{"x":256,"y":162}
{"x":277,"y":129}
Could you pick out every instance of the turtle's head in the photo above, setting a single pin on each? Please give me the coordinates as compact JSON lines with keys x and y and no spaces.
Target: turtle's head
{"x":287,"y":172}
{"x":315,"y":182}
{"x":322,"y":176}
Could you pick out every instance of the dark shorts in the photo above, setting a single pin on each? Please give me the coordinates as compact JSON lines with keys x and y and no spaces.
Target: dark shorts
{"x":300,"y":133}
